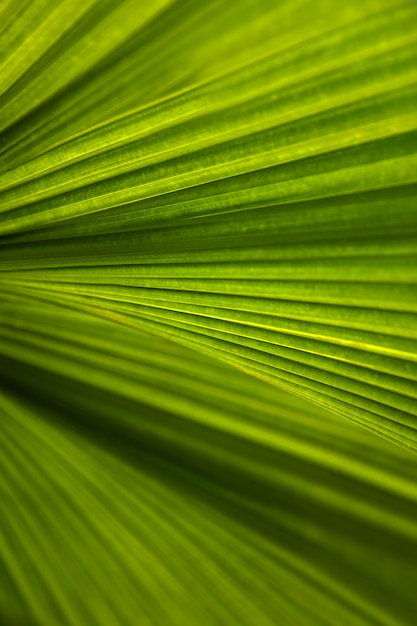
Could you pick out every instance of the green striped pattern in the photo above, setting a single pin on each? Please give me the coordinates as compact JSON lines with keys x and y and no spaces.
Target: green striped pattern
{"x":208,"y":299}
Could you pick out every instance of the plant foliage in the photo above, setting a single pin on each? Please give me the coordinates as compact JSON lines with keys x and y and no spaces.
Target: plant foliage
{"x":208,"y":329}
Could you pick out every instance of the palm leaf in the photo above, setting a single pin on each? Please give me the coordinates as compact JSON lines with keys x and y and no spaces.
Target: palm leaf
{"x":208,"y":313}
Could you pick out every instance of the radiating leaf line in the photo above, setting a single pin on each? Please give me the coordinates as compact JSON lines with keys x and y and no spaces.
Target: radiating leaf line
{"x":208,"y":313}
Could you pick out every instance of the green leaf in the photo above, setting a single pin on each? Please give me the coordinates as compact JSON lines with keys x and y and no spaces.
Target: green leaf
{"x":208,"y":313}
